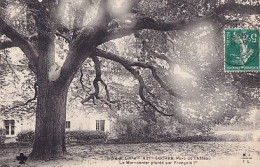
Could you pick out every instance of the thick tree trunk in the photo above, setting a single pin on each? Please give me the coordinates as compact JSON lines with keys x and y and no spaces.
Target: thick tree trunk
{"x":52,"y":94}
{"x":51,"y":105}
{"x":50,"y":122}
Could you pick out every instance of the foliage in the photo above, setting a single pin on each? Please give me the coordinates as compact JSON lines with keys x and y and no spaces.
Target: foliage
{"x":25,"y":138}
{"x":183,"y":48}
{"x":80,"y":136}
{"x":233,"y":137}
{"x":213,"y":137}
{"x":137,"y":128}
{"x":178,"y":74}
{"x":17,"y":85}
{"x":2,"y":136}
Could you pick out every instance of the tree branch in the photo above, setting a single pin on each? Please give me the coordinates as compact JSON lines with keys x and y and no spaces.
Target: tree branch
{"x":129,"y":67}
{"x":144,"y":23}
{"x":79,"y":17}
{"x":140,"y":23}
{"x":237,"y":8}
{"x":124,"y":61}
{"x":28,"y":101}
{"x":20,"y":41}
{"x":103,"y":16}
{"x":95,"y":94}
{"x":108,"y":94}
{"x":6,"y":44}
{"x":10,"y":66}
{"x":63,"y":36}
{"x":84,"y":42}
{"x":163,"y":57}
{"x":81,"y":80}
{"x":97,"y":79}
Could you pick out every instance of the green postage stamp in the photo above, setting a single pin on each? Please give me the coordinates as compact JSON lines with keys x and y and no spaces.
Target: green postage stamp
{"x":242,"y":50}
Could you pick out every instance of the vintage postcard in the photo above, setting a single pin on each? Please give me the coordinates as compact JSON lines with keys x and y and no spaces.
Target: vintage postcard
{"x":129,"y":83}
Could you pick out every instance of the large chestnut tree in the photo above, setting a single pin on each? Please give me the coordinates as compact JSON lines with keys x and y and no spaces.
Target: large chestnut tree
{"x":85,"y":25}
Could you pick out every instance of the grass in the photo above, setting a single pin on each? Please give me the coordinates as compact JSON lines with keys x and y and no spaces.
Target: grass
{"x":91,"y":155}
{"x":245,"y":126}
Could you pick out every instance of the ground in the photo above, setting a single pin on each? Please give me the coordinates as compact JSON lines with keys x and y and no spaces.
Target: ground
{"x":153,"y":154}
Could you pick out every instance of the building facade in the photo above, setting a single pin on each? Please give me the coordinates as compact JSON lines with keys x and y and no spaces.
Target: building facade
{"x":89,"y":120}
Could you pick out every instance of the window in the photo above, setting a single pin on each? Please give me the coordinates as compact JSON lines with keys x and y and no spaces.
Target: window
{"x":100,"y":125}
{"x":9,"y":127}
{"x":67,"y":124}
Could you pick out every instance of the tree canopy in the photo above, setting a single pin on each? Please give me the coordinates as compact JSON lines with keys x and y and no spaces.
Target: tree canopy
{"x":170,"y":52}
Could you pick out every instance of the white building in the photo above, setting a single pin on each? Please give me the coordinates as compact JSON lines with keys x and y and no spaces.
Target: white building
{"x":79,"y":117}
{"x":90,"y":120}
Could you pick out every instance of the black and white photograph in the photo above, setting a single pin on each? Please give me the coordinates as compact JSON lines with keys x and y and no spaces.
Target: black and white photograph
{"x":129,"y":83}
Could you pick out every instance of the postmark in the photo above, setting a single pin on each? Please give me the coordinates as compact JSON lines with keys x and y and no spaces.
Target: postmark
{"x":242,"y":50}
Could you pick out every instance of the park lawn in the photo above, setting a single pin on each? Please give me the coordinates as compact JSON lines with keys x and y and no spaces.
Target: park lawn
{"x":116,"y":154}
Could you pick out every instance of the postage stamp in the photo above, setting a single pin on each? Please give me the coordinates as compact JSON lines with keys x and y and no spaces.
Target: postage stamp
{"x":242,"y":50}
